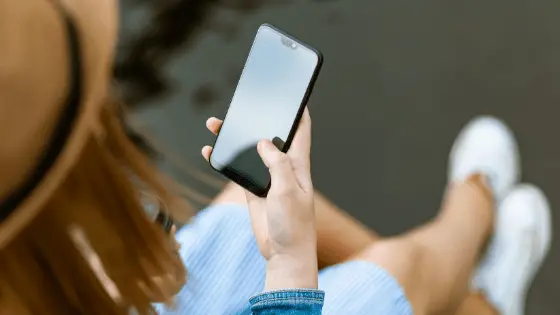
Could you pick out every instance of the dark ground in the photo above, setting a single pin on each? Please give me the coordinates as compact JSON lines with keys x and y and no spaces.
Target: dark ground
{"x":400,"y":79}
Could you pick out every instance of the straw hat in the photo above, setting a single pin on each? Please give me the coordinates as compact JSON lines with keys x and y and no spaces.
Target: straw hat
{"x":55,"y":64}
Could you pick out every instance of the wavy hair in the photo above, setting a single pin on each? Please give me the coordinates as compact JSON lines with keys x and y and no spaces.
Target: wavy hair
{"x":74,"y":258}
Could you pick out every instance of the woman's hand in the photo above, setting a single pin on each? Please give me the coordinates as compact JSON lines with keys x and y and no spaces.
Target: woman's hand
{"x":284,"y":221}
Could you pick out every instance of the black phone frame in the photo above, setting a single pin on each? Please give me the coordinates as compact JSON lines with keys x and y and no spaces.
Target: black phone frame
{"x":244,"y":181}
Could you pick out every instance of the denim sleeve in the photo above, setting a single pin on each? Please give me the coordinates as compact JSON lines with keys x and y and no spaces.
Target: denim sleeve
{"x":288,"y":302}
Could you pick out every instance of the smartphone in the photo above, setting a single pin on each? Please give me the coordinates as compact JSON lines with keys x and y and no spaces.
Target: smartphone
{"x":270,"y":98}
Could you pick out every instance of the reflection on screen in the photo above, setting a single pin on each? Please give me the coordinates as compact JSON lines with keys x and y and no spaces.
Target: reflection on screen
{"x":269,"y":94}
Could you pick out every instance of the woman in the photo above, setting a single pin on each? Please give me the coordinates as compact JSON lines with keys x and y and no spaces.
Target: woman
{"x":74,"y":238}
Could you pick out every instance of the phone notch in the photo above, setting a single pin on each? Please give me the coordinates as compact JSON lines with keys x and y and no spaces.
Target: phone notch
{"x":288,"y":42}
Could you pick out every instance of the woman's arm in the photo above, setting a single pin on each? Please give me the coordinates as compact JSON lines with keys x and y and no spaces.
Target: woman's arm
{"x":284,"y":225}
{"x":285,"y":228}
{"x":284,"y":222}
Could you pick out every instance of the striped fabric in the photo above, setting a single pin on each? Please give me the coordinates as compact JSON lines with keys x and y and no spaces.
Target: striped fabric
{"x":361,"y":288}
{"x":225,"y":269}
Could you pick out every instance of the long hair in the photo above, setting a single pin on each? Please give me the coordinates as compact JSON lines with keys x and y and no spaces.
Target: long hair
{"x":92,"y":249}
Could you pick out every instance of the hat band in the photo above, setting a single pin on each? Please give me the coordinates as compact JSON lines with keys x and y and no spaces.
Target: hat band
{"x":61,"y":132}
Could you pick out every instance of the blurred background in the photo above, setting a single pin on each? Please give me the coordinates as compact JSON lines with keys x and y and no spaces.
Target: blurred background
{"x":400,"y":79}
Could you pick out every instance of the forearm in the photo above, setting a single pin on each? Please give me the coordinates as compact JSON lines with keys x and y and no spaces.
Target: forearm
{"x":292,"y":272}
{"x":291,"y":286}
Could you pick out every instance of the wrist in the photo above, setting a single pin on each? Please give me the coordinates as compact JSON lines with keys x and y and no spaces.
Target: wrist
{"x":292,"y":272}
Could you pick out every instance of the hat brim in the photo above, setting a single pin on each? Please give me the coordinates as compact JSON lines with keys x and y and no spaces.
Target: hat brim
{"x":31,"y":206}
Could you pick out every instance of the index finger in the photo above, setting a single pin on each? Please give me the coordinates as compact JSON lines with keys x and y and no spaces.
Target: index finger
{"x":279,"y":165}
{"x":301,"y":145}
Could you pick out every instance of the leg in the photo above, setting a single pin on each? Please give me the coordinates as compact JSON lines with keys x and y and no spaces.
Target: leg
{"x":521,"y":241}
{"x":434,"y":263}
{"x":476,"y":304}
{"x":340,"y":236}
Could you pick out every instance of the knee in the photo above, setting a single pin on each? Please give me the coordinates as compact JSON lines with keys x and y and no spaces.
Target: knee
{"x":398,"y":254}
{"x":402,"y":259}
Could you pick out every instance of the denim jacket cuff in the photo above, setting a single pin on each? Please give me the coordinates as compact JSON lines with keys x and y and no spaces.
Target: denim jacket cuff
{"x":300,"y":298}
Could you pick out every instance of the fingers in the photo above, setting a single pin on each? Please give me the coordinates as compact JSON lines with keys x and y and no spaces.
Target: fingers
{"x":279,"y":166}
{"x":297,"y":158}
{"x":300,"y":151}
{"x":206,"y":151}
{"x":214,"y":124}
{"x":301,"y":145}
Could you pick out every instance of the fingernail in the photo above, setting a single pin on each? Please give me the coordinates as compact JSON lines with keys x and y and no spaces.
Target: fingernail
{"x":266,"y":144}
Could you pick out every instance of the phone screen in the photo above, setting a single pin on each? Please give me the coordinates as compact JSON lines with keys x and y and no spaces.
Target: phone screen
{"x":267,"y":104}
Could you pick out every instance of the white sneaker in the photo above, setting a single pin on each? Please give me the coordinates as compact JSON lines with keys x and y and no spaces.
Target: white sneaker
{"x":521,"y":241}
{"x":487,"y":146}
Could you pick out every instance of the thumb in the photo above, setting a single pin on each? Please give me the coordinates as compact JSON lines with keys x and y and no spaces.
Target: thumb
{"x":279,"y":166}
